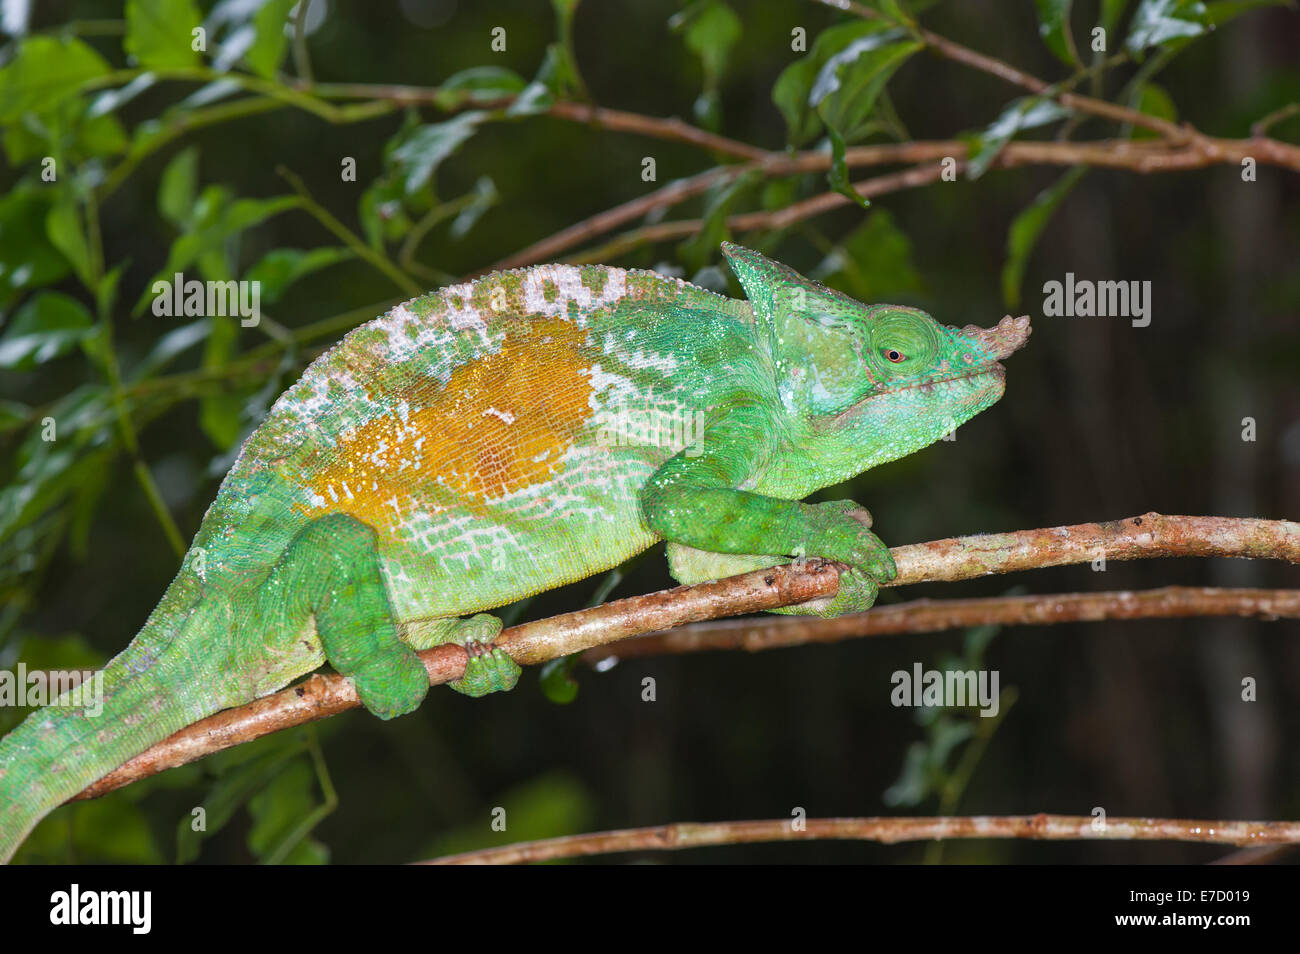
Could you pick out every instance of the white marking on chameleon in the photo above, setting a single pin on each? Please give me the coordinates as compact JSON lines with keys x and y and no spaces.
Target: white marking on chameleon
{"x":567,"y":280}
{"x":504,"y":416}
{"x":333,"y":495}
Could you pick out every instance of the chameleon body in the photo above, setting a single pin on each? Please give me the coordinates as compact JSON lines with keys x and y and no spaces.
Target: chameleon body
{"x":494,"y":439}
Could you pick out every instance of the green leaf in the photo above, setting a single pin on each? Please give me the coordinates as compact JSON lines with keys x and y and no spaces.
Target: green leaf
{"x":242,"y":773}
{"x":1027,"y":227}
{"x":221,"y":415}
{"x":484,"y":197}
{"x":1154,"y":101}
{"x":64,"y":230}
{"x":838,"y":175}
{"x":173,"y":343}
{"x":845,"y":89}
{"x":45,"y":71}
{"x":281,"y":267}
{"x":214,"y":220}
{"x":1221,"y":11}
{"x":874,"y":263}
{"x":427,"y":146}
{"x":556,"y":680}
{"x":48,"y":326}
{"x":1028,"y":112}
{"x":478,"y":84}
{"x":27,"y":258}
{"x":158,"y":33}
{"x":264,"y":56}
{"x":700,"y":248}
{"x":278,"y":812}
{"x":1054,"y":28}
{"x":545,"y":807}
{"x":709,"y":29}
{"x":790,"y":95}
{"x":1157,"y":22}
{"x":178,"y":186}
{"x":1111,"y":11}
{"x":13,"y":414}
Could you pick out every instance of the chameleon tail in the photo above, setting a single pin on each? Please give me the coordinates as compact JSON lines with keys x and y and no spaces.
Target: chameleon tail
{"x":148,"y":692}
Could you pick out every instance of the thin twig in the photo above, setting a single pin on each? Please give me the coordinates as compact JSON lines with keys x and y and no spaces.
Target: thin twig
{"x":889,"y":831}
{"x":932,"y":616}
{"x":956,"y":558}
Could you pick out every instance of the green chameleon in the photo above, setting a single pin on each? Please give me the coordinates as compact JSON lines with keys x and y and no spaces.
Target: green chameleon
{"x":494,"y":439}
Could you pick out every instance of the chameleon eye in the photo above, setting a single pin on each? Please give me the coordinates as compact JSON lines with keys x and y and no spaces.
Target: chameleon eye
{"x":894,"y":355}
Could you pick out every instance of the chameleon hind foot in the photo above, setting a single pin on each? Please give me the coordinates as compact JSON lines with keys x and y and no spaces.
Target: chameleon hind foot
{"x":330,"y":572}
{"x":488,"y":668}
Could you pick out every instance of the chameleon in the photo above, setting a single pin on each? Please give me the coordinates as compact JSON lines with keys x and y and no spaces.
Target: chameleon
{"x":493,"y":439}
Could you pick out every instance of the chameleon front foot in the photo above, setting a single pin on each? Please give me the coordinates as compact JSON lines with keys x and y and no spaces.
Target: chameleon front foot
{"x":488,"y":669}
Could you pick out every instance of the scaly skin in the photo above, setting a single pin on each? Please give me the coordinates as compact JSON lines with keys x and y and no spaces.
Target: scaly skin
{"x":491,"y":440}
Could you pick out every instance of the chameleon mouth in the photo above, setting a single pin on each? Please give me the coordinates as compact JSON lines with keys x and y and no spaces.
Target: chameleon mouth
{"x":993,"y":370}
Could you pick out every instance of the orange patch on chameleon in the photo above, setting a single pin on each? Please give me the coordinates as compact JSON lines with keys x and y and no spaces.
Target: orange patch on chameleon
{"x":500,"y":424}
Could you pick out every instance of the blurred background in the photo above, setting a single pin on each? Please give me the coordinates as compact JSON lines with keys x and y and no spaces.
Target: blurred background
{"x":1101,"y":420}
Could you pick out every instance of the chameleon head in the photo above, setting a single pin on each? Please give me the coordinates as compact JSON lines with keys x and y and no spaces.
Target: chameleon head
{"x":870,"y":383}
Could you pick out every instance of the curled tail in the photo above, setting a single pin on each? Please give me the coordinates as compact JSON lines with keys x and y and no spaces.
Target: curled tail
{"x":147,"y":692}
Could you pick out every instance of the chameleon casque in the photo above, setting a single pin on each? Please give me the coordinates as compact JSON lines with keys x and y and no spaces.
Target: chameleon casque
{"x":490,"y":440}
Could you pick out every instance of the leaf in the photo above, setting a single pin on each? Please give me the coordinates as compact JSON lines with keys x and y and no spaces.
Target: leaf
{"x":478,"y":84}
{"x":177,"y":187}
{"x":544,"y":807}
{"x":427,"y":146}
{"x":838,"y":175}
{"x":1221,"y":11}
{"x":709,"y":29}
{"x":1027,"y":227}
{"x":874,"y":263}
{"x":485,"y":196}
{"x":700,"y":248}
{"x":242,"y":773}
{"x":264,"y":55}
{"x":27,"y":257}
{"x":1028,"y":112}
{"x":45,"y":71}
{"x":174,"y":342}
{"x":13,"y":414}
{"x":158,"y":33}
{"x":790,"y":95}
{"x":214,"y":220}
{"x":1157,"y":22}
{"x":221,"y":415}
{"x":281,"y":267}
{"x":1111,"y":11}
{"x":1154,"y":101}
{"x":846,"y":87}
{"x":48,"y":326}
{"x":64,"y":230}
{"x":1054,"y":28}
{"x":278,"y":812}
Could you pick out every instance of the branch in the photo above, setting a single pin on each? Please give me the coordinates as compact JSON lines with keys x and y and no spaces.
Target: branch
{"x":930,"y":616}
{"x":956,"y":558}
{"x":1143,"y":157}
{"x":887,"y":831}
